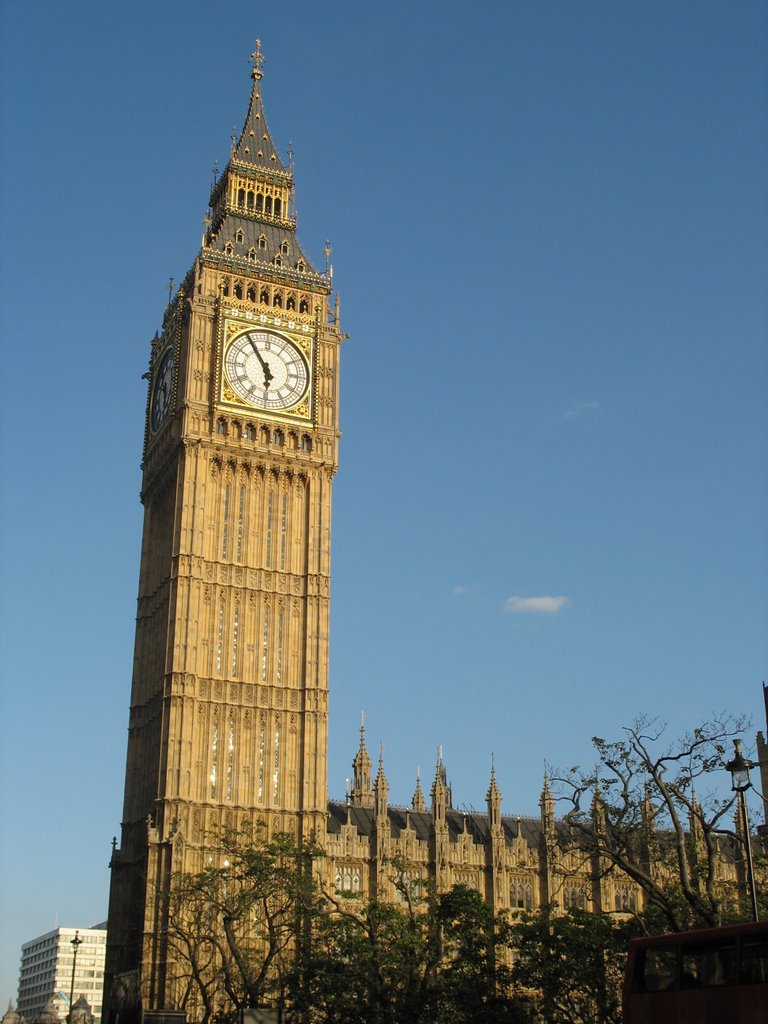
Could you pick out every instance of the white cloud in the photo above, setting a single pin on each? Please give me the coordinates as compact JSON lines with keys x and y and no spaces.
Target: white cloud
{"x":459,"y":591}
{"x":544,"y":605}
{"x":580,"y":409}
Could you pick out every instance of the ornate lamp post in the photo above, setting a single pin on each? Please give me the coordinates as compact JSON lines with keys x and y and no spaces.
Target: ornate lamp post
{"x":740,"y":783}
{"x":76,"y":943}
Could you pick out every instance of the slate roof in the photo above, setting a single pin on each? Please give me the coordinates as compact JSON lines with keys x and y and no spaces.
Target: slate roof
{"x":421,"y":822}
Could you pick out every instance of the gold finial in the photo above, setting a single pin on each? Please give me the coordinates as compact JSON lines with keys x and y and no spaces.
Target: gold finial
{"x":258,"y":60}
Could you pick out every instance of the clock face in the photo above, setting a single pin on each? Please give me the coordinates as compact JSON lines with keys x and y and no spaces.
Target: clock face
{"x":162,"y":389}
{"x":266,"y":370}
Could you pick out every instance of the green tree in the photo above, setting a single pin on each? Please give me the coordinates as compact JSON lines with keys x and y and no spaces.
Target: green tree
{"x":570,"y":966}
{"x":434,"y":958}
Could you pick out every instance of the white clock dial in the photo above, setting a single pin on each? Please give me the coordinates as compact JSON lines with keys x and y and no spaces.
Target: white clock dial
{"x":266,"y":370}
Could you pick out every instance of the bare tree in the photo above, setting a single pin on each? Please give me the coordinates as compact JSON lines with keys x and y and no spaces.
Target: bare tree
{"x":650,"y":810}
{"x":234,"y":927}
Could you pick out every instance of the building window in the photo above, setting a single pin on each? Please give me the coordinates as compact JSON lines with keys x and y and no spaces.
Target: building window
{"x":290,"y":302}
{"x":214,"y":757}
{"x":221,"y":426}
{"x":250,"y":199}
{"x":230,"y":756}
{"x":278,"y":207}
{"x":278,"y":437}
{"x":228,"y":249}
{"x":251,"y":294}
{"x":252,"y":254}
{"x":303,"y":306}
{"x":220,"y":640}
{"x":279,"y":662}
{"x":241,"y":197}
{"x":348,"y":879}
{"x":276,"y":774}
{"x":284,"y":249}
{"x":240,"y":521}
{"x":225,"y":523}
{"x":239,"y":235}
{"x":262,"y":241}
{"x":262,"y":744}
{"x":264,"y":645}
{"x":306,"y":443}
{"x":239,"y":290}
{"x":259,"y":201}
{"x":283,"y":529}
{"x":268,"y":558}
{"x":235,"y":627}
{"x":264,"y":297}
{"x":520,"y":894}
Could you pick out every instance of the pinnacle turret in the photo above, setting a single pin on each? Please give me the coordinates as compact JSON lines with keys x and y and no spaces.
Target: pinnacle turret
{"x":362,"y":792}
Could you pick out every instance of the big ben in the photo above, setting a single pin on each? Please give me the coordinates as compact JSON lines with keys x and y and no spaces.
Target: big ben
{"x":229,"y":700}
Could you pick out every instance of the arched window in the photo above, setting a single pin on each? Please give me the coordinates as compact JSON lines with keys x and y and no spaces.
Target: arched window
{"x":306,"y":443}
{"x":221,"y":427}
{"x":252,"y":254}
{"x":278,"y":437}
{"x":251,"y":294}
{"x":250,"y":199}
{"x":262,"y":242}
{"x":278,"y":261}
{"x":284,"y":249}
{"x":259,"y":202}
{"x":225,"y":288}
{"x":239,"y":235}
{"x":278,"y":300}
{"x":239,"y":290}
{"x":268,"y":204}
{"x":264,"y":297}
{"x":303,"y":306}
{"x":300,"y":266}
{"x":241,"y":197}
{"x":278,"y":207}
{"x":290,"y":302}
{"x":250,"y":432}
{"x":228,"y":249}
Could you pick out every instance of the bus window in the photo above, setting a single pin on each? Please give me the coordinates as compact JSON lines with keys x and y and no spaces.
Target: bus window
{"x":656,"y":970}
{"x":754,"y":961}
{"x":702,"y":966}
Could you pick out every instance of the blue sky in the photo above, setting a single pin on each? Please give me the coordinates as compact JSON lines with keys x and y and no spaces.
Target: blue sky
{"x":549,"y":227}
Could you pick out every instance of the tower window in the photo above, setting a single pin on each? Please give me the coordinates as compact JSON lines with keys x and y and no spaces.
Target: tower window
{"x":239,"y":236}
{"x":221,"y":427}
{"x":278,"y":207}
{"x":259,"y":202}
{"x":262,"y":242}
{"x":278,"y":437}
{"x":284,"y":249}
{"x":278,"y":300}
{"x":264,"y":297}
{"x":251,"y":294}
{"x":252,"y":254}
{"x":300,"y":266}
{"x":303,"y":306}
{"x":278,"y":261}
{"x":250,"y":432}
{"x":290,"y":302}
{"x":268,"y":205}
{"x":250,"y":199}
{"x":239,"y":290}
{"x":228,"y":249}
{"x":306,"y":443}
{"x":241,"y":197}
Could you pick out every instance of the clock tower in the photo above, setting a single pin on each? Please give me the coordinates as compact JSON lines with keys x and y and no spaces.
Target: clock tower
{"x":229,"y":701}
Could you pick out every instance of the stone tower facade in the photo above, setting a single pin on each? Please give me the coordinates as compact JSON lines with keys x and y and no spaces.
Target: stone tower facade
{"x":229,"y":701}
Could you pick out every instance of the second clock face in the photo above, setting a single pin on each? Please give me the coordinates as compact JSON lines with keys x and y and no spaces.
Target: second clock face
{"x":266,"y":370}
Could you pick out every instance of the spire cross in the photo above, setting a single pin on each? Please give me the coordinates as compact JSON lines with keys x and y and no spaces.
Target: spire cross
{"x":258,"y":60}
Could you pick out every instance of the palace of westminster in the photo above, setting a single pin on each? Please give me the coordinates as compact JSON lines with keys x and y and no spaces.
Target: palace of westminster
{"x":229,"y":703}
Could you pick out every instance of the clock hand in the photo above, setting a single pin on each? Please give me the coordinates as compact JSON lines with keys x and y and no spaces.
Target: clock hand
{"x":268,"y":375}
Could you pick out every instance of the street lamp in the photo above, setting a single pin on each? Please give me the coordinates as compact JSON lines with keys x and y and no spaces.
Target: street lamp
{"x":76,"y":943}
{"x":740,"y":783}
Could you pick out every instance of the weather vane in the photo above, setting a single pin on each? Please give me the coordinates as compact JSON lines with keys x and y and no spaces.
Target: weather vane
{"x":258,"y":60}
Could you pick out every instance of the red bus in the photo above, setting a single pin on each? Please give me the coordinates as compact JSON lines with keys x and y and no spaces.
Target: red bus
{"x":716,"y":976}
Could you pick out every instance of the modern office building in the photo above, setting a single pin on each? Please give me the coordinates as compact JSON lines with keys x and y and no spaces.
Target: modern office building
{"x":46,"y":971}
